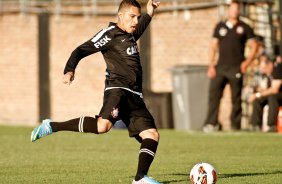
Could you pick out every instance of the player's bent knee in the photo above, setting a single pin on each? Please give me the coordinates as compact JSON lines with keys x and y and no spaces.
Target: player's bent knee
{"x":104,"y":125}
{"x":150,"y":134}
{"x":157,"y":135}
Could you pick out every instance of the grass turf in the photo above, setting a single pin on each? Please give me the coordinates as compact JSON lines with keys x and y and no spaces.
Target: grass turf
{"x":111,"y":158}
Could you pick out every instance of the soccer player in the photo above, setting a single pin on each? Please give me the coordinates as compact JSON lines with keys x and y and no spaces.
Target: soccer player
{"x":123,"y":98}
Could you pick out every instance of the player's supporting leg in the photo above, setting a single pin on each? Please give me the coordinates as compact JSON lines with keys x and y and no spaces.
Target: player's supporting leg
{"x":83,"y":124}
{"x":147,"y":153}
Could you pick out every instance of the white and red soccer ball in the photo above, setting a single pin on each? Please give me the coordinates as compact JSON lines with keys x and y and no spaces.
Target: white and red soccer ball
{"x":203,"y":173}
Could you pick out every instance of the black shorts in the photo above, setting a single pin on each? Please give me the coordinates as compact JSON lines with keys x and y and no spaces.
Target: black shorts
{"x":120,"y":104}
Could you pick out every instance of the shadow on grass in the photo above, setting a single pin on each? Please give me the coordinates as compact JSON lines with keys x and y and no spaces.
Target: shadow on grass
{"x":172,"y":181}
{"x":176,"y":180}
{"x":231,"y":175}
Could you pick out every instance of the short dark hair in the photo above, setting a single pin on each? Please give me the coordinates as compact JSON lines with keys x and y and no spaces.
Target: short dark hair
{"x":233,"y":2}
{"x":128,"y":3}
{"x":236,"y":2}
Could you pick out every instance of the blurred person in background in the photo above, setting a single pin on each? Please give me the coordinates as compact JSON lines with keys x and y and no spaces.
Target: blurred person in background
{"x":272,"y":96}
{"x":229,"y":40}
{"x":260,"y":81}
{"x":265,"y":70}
{"x":123,"y":99}
{"x":256,"y":72}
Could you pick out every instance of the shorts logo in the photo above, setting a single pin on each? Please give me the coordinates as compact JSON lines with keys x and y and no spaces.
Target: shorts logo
{"x":115,"y":112}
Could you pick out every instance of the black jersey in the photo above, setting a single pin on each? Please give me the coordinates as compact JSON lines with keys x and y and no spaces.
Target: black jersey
{"x":277,"y":73}
{"x":120,"y":52}
{"x":232,"y":42}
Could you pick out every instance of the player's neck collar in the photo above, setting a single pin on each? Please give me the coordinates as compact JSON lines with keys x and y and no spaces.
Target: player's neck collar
{"x":231,"y":24}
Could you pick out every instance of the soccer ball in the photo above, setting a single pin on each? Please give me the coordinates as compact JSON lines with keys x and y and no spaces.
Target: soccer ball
{"x":203,"y":173}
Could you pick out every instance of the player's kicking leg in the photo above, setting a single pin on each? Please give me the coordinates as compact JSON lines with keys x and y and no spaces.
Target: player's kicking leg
{"x":83,"y":124}
{"x":147,"y":152}
{"x":42,"y":130}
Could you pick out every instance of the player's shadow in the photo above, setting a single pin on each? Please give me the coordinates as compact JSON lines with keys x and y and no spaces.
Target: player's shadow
{"x":172,"y":181}
{"x":176,"y":180}
{"x":231,"y":175}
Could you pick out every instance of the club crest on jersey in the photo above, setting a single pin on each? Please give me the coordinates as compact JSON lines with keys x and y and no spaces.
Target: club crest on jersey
{"x":102,"y":42}
{"x":222,"y":31}
{"x":239,"y":30}
{"x":132,"y":50}
{"x":115,"y":112}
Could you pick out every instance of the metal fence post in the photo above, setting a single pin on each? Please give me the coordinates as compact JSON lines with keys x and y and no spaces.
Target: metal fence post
{"x":43,"y":65}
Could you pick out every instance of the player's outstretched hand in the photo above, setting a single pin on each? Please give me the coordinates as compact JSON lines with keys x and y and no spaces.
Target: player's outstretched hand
{"x":151,"y":6}
{"x":68,"y":78}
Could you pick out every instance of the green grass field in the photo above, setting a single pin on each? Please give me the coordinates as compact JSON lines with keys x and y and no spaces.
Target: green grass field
{"x":68,"y":157}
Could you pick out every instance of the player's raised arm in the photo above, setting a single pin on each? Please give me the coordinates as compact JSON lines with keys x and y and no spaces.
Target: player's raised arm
{"x":145,"y":20}
{"x":151,"y":6}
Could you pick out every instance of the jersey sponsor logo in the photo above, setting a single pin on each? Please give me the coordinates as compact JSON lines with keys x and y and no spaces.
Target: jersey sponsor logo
{"x":100,"y":35}
{"x":222,"y":31}
{"x":102,"y":42}
{"x":132,"y":50}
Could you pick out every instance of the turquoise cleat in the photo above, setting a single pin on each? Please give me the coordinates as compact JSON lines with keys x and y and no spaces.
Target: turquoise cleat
{"x":42,"y":130}
{"x":146,"y":180}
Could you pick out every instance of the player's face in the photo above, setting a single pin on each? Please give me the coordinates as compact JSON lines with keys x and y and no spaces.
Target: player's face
{"x":234,"y":11}
{"x":128,"y":19}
